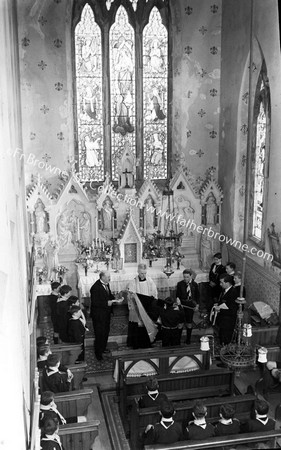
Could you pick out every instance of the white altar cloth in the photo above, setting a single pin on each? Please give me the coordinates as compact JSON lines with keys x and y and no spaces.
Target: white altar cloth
{"x":120,"y":280}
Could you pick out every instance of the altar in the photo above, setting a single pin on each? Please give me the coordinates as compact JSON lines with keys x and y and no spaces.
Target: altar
{"x":120,"y":280}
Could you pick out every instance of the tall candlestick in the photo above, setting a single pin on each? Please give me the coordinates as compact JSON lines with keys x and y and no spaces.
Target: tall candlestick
{"x":96,"y":221}
{"x":78,"y":229}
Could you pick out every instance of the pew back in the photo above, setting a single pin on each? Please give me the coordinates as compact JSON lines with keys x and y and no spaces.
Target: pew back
{"x":79,"y":435}
{"x":269,"y":438}
{"x":68,"y":353}
{"x":74,"y":403}
{"x":141,"y":417}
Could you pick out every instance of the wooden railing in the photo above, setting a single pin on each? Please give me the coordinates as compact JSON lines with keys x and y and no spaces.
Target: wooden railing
{"x":35,"y":434}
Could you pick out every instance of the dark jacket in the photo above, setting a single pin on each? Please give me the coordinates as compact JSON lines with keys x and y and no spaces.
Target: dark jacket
{"x":228,"y":298}
{"x":222,"y":429}
{"x":76,"y":331}
{"x":160,"y":435}
{"x":147,"y":402}
{"x":197,"y":432}
{"x":55,"y":382}
{"x":100,"y":298}
{"x":50,"y":444}
{"x":182,"y":294}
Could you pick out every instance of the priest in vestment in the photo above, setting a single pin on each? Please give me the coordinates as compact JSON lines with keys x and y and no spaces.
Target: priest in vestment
{"x":146,"y":289}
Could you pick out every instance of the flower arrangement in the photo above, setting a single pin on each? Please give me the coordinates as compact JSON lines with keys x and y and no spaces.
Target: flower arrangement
{"x":41,"y":274}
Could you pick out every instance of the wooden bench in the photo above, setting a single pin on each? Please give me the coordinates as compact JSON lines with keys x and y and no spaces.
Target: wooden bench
{"x":141,"y":417}
{"x":79,"y":372}
{"x":68,"y":353}
{"x":80,"y":436}
{"x":198,"y":384}
{"x":268,"y":437}
{"x":74,"y":403}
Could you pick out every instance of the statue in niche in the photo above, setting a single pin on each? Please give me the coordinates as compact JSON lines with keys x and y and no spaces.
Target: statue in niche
{"x":84,"y":228}
{"x":211,"y":210}
{"x":206,"y":251}
{"x":149,"y":215}
{"x":157,"y":152}
{"x":185,"y":212}
{"x":92,"y":151}
{"x":67,"y":228}
{"x":127,"y":166}
{"x":107,"y":215}
{"x":51,"y":260}
{"x":41,"y":222}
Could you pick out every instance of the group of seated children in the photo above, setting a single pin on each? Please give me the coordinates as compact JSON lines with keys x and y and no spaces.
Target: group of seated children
{"x":68,"y":319}
{"x":168,"y":431}
{"x":49,"y":420}
{"x":55,"y":377}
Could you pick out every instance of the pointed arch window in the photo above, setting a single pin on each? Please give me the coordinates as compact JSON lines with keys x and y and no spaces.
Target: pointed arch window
{"x":260,"y":158}
{"x":121,"y":88}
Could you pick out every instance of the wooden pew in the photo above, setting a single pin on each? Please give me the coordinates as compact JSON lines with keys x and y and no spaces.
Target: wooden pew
{"x":141,"y":417}
{"x":79,"y":436}
{"x":79,"y":372}
{"x":68,"y":353}
{"x":198,"y":384}
{"x":74,"y":403}
{"x":268,"y":437}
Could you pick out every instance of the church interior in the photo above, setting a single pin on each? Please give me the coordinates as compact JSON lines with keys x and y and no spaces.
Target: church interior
{"x":139,"y":132}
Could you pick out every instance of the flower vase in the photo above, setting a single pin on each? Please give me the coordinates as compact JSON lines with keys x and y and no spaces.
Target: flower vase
{"x":60,"y":279}
{"x":178,"y":264}
{"x":40,"y":279}
{"x":150,"y":263}
{"x":86,"y":271}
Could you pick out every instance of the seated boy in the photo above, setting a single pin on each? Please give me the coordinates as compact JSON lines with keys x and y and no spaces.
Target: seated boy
{"x":198,"y":428}
{"x":48,"y":409}
{"x":77,"y":329}
{"x":261,"y":422}
{"x":53,"y":297}
{"x":43,"y":352}
{"x":167,"y":431}
{"x":62,"y":307}
{"x":50,"y":439}
{"x":54,"y":380}
{"x":153,"y":397}
{"x":227,"y":423}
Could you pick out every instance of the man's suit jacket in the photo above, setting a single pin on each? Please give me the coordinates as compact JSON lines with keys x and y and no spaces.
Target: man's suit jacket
{"x":100,"y":298}
{"x":182,"y":292}
{"x":215,"y":277}
{"x":229,"y":299}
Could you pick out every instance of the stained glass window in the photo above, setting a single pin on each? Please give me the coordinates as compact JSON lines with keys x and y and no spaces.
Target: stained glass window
{"x":122,"y":89}
{"x":121,"y":76}
{"x":155,"y":88}
{"x":88,"y":65}
{"x":260,"y":158}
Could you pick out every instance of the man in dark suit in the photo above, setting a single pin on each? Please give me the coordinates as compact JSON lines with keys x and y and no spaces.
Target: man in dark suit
{"x":217,"y":269}
{"x":188,"y":297}
{"x":226,"y":309}
{"x":101,"y":302}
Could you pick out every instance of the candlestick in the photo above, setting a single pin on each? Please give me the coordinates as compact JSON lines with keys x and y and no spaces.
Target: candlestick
{"x":78,"y":229}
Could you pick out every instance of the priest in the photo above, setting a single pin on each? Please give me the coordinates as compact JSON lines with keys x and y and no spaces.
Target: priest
{"x":146,"y":289}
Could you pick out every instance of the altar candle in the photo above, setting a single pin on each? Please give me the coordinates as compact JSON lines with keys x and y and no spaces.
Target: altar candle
{"x":102,"y":246}
{"x":96,"y":227}
{"x":78,"y":230}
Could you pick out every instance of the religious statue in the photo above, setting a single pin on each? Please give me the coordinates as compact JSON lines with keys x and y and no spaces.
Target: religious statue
{"x":107,"y":214}
{"x":66,"y":228}
{"x":149,"y":215}
{"x":206,"y":251}
{"x":51,"y":257}
{"x":84,"y":228}
{"x":40,"y":217}
{"x":211,"y":210}
{"x":184,"y":212}
{"x":155,"y":108}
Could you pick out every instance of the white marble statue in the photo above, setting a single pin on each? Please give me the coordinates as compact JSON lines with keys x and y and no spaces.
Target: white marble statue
{"x":51,"y":260}
{"x":40,"y":218}
{"x":211,"y":210}
{"x":107,"y":215}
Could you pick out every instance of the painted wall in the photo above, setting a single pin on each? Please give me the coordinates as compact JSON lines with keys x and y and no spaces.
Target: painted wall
{"x":233,"y":122}
{"x":46,"y":84}
{"x":14,"y":334}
